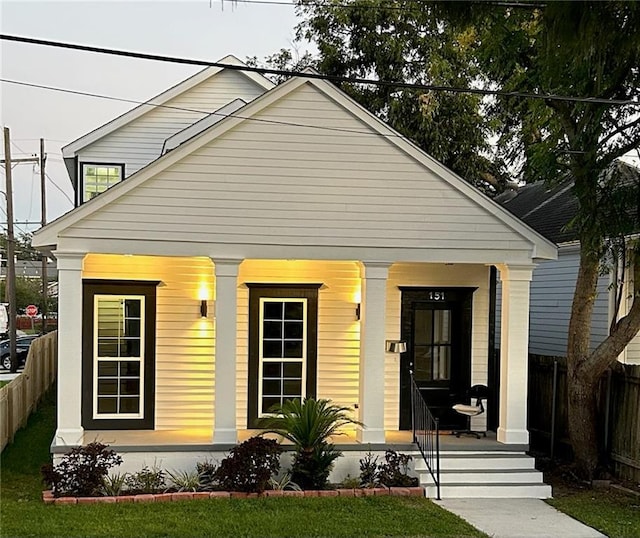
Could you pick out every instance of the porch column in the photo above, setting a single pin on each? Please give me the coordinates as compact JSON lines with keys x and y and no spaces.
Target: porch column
{"x":514,"y":353}
{"x":372,"y":352}
{"x":226,"y":315}
{"x":69,"y":408}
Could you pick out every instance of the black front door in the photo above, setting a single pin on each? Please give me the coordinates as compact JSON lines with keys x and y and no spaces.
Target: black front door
{"x":436,"y":324}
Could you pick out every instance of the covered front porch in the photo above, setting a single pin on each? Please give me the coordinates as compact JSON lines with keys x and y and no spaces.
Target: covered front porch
{"x":209,"y":379}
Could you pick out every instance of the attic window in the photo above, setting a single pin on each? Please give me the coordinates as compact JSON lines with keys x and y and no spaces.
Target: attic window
{"x":98,"y":178}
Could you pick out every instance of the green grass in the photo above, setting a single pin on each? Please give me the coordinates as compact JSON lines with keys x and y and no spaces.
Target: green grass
{"x":3,"y":383}
{"x":24,"y":514}
{"x":612,"y":512}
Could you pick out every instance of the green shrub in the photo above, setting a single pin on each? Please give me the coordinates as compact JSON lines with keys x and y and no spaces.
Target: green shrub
{"x":309,"y":425}
{"x":369,"y":473}
{"x":207,"y":480}
{"x":184,"y":480}
{"x":394,"y":472}
{"x":81,"y":472}
{"x":249,"y":465}
{"x":114,"y":485}
{"x":146,"y":481}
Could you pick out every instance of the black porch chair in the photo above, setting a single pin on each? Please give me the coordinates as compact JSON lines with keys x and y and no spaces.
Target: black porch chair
{"x":477,"y":393}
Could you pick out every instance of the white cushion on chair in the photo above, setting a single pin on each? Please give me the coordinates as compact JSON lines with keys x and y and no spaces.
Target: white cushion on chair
{"x":470,"y":410}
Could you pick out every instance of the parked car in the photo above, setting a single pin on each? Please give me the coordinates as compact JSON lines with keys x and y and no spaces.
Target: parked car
{"x":23,"y":343}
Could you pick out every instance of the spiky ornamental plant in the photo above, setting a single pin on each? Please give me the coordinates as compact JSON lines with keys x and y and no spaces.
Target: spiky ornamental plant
{"x":309,"y":425}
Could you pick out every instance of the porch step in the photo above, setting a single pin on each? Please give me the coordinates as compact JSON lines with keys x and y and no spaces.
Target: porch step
{"x":490,"y":491}
{"x":454,"y":461}
{"x":484,"y":474}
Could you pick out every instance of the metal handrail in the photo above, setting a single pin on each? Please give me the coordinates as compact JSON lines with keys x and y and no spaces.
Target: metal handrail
{"x":426,"y":430}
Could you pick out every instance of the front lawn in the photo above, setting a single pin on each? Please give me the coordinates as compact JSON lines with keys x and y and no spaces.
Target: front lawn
{"x":24,"y":514}
{"x":612,"y":512}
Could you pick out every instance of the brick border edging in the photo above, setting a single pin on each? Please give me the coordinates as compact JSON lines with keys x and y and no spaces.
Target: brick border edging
{"x":418,"y":491}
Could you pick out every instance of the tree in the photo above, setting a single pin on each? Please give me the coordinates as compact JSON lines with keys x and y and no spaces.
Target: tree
{"x":581,"y":49}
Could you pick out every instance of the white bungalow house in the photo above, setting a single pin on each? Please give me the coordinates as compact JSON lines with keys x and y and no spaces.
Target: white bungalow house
{"x":268,"y":243}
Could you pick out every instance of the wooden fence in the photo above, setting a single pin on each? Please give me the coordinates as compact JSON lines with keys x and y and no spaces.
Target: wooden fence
{"x":618,"y":413}
{"x":20,"y":397}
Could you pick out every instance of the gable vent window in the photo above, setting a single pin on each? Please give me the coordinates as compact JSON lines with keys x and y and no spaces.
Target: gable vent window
{"x":98,"y":178}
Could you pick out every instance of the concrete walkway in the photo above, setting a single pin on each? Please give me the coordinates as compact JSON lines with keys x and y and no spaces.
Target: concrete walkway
{"x":518,"y":518}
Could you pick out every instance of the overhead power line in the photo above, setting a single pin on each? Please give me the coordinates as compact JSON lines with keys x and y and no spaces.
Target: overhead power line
{"x":315,"y":75}
{"x":389,"y":7}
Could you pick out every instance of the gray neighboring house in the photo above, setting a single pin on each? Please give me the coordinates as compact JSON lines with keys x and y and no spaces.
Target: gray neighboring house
{"x":549,"y":211}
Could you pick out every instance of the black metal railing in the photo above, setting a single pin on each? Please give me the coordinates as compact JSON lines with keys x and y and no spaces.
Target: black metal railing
{"x":426,"y":431}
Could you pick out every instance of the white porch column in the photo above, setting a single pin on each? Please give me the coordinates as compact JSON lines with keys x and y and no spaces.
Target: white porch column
{"x":69,"y":408}
{"x":226,"y":316}
{"x":372,"y":351}
{"x":514,"y":353}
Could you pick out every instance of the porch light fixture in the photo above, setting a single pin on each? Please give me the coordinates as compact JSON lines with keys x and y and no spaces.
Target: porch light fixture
{"x":203,"y":308}
{"x":396,"y":346}
{"x":358,"y":312}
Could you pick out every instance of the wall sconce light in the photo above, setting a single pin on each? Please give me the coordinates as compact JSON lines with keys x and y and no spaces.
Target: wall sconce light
{"x":358,"y":312}
{"x":203,"y":308}
{"x":396,"y":346}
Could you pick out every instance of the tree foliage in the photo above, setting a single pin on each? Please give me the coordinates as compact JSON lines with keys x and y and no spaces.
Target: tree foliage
{"x":586,"y":50}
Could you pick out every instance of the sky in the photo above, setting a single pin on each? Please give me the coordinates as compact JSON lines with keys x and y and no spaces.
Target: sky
{"x":199,"y":29}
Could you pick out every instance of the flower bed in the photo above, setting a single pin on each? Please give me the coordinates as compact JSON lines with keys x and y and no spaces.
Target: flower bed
{"x":48,"y":498}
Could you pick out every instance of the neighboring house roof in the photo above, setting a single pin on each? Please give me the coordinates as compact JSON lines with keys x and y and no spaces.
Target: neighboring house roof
{"x":550,"y":209}
{"x":421,"y":235}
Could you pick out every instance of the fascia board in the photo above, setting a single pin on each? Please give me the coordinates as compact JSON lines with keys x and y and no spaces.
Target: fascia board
{"x":71,"y":149}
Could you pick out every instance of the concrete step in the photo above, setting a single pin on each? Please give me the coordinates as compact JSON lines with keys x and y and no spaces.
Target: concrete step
{"x":480,"y":461}
{"x":484,"y":476}
{"x":491,"y":491}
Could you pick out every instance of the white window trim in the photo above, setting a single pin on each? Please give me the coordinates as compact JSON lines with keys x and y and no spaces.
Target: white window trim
{"x":119,"y":416}
{"x":85,"y":165}
{"x":262,"y":360}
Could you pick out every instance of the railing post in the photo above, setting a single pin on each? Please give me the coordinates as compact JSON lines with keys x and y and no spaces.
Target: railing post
{"x":437,"y":420}
{"x":413,"y":405}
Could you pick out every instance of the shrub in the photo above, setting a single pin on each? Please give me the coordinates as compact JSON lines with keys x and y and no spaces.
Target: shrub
{"x":369,"y":474}
{"x":184,"y":480}
{"x":349,"y":482}
{"x":82,"y":471}
{"x":394,"y":471}
{"x":309,"y":425}
{"x":284,"y":482}
{"x":114,"y":485}
{"x":207,"y":480}
{"x":146,"y":481}
{"x":249,"y":465}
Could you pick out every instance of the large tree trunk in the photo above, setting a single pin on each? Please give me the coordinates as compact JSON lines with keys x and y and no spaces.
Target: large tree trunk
{"x":584,"y":368}
{"x":581,"y":392}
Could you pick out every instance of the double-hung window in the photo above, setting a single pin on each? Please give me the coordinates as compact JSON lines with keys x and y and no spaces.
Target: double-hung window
{"x":282,"y":345}
{"x":118,"y":354}
{"x":97,"y":178}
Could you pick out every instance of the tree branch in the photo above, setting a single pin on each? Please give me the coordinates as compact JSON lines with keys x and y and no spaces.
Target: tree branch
{"x":619,"y":130}
{"x":614,"y":154}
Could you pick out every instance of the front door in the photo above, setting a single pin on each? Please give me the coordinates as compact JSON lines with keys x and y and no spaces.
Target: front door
{"x":436,"y":324}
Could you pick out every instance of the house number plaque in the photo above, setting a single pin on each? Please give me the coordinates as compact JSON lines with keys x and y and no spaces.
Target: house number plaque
{"x":436,"y":296}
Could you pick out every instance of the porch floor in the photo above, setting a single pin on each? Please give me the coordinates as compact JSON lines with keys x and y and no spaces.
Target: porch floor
{"x":202,"y":440}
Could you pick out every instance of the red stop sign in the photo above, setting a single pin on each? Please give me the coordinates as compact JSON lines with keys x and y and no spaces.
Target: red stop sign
{"x":31,"y":310}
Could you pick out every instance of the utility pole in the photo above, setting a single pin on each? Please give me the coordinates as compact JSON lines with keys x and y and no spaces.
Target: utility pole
{"x":11,"y":261}
{"x":8,"y":162}
{"x":43,"y":221}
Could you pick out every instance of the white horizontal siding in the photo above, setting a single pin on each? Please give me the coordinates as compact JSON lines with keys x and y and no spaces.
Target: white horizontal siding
{"x":184,"y":342}
{"x":140,"y":142}
{"x":267,"y":182}
{"x":338,"y":330}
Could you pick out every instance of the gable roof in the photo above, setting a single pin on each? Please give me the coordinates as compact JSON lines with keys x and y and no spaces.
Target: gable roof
{"x":550,"y":210}
{"x":71,"y":149}
{"x":540,"y":247}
